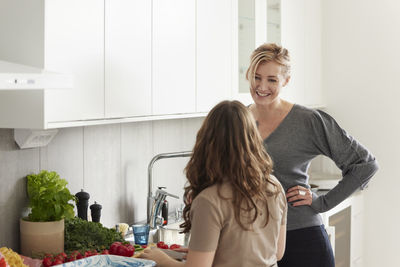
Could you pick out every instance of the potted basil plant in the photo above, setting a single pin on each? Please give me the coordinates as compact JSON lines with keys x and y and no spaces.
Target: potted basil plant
{"x":49,"y":200}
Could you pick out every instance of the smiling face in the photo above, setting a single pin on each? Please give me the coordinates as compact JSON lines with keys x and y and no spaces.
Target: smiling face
{"x":268,"y":82}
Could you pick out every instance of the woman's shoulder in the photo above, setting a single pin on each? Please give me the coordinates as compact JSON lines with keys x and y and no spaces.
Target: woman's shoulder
{"x":304,"y":111}
{"x":312,"y":113}
{"x":311,"y":116}
{"x":211,"y":193}
{"x":276,"y":186}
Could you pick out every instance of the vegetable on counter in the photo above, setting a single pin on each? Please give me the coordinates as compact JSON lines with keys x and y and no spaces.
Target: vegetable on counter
{"x":51,"y":260}
{"x":122,"y":249}
{"x":85,"y":236}
{"x":174,"y":246}
{"x":10,"y":258}
{"x":49,"y":197}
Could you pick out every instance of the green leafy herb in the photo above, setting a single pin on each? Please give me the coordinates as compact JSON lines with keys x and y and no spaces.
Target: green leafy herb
{"x":83,"y":235}
{"x":49,"y":197}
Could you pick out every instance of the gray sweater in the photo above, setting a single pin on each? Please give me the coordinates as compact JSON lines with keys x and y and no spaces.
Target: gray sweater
{"x":304,"y":134}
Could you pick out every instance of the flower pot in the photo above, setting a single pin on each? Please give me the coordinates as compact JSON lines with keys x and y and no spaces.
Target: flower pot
{"x":41,"y":237}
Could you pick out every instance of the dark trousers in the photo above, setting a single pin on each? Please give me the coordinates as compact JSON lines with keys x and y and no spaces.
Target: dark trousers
{"x":308,"y":247}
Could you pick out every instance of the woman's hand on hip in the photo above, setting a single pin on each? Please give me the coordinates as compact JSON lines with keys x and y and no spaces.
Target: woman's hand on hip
{"x":299,"y":196}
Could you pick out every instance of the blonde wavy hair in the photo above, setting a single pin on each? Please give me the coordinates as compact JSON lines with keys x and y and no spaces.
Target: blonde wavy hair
{"x":230,"y":149}
{"x":268,"y":52}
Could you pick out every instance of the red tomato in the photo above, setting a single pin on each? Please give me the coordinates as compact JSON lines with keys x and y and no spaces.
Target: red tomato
{"x":57,"y":262}
{"x":144,"y":246}
{"x":79,"y":256}
{"x":160,"y":244}
{"x":47,"y":261}
{"x":71,"y":258}
{"x":105,"y":252}
{"x":114,"y":247}
{"x":90,"y":253}
{"x":174,"y":246}
{"x":122,"y":251}
{"x":62,"y":256}
{"x":130,"y":250}
{"x":3,"y":263}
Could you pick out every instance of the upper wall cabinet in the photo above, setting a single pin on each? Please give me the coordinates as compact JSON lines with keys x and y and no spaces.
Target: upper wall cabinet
{"x":174,"y":49}
{"x":214,"y":57}
{"x":301,"y":35}
{"x":251,"y":24}
{"x":66,"y":36}
{"x":127,"y":58}
{"x":296,"y":25}
{"x":141,"y":59}
{"x":131,"y":59}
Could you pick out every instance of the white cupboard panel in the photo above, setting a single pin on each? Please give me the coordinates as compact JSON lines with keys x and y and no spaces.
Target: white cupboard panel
{"x":313,"y":53}
{"x":174,"y":56}
{"x":214,"y":52}
{"x":127,"y":58}
{"x":74,"y":43}
{"x":293,"y":39}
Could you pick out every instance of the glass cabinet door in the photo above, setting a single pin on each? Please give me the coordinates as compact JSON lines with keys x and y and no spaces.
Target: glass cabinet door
{"x":274,"y":21}
{"x":258,"y":22}
{"x":247,"y":39}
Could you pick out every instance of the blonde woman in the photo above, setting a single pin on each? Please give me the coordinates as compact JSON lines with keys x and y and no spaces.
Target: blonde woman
{"x":236,"y":210}
{"x":293,"y":135}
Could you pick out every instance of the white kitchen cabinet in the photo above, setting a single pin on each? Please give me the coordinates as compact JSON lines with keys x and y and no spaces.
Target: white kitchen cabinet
{"x":131,"y":60}
{"x":301,"y":35}
{"x":66,"y":36}
{"x":214,"y":52}
{"x":357,"y":231}
{"x":353,"y":221}
{"x":127,"y":58}
{"x":313,"y":95}
{"x":293,"y":12}
{"x":174,"y":49}
{"x":72,"y":45}
{"x":251,"y":31}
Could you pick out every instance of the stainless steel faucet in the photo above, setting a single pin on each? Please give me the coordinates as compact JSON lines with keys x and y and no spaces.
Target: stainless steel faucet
{"x":155,"y":202}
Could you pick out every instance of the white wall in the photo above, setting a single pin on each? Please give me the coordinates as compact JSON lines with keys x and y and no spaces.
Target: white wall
{"x":361,"y":79}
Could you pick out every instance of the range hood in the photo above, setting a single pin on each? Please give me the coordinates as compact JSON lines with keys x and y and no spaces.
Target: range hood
{"x":22,"y":77}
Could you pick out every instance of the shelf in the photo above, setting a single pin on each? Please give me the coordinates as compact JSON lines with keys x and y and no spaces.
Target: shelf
{"x":21,"y":77}
{"x":54,"y":125}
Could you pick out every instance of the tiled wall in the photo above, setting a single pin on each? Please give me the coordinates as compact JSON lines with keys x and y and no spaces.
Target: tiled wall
{"x":109,"y":162}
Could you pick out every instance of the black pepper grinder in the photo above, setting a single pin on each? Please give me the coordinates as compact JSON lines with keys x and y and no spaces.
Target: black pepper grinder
{"x":83,"y":204}
{"x":95,"y":212}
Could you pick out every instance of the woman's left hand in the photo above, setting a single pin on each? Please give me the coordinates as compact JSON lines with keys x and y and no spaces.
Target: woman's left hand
{"x":158,"y":256}
{"x":299,"y":196}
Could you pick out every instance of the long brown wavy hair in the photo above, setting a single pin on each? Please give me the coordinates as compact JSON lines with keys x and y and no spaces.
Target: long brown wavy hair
{"x":229,"y":148}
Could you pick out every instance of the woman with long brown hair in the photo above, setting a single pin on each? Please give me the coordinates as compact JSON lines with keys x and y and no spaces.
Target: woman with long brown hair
{"x":235,"y":209}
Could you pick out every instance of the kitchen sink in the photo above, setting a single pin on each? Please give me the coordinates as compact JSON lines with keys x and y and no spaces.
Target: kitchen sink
{"x":170,"y":234}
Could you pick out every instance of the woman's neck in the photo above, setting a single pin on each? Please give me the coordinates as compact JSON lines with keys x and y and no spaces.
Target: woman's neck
{"x":272,"y":110}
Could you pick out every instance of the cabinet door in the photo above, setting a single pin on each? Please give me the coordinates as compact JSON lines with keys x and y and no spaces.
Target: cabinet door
{"x":301,"y":35}
{"x":214,"y":52}
{"x":293,"y":24}
{"x":174,"y":51}
{"x":74,"y":43}
{"x":127,"y":58}
{"x":313,"y":54}
{"x":251,"y":31}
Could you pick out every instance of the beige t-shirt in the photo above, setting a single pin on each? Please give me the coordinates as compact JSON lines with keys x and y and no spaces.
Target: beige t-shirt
{"x":214,"y":228}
